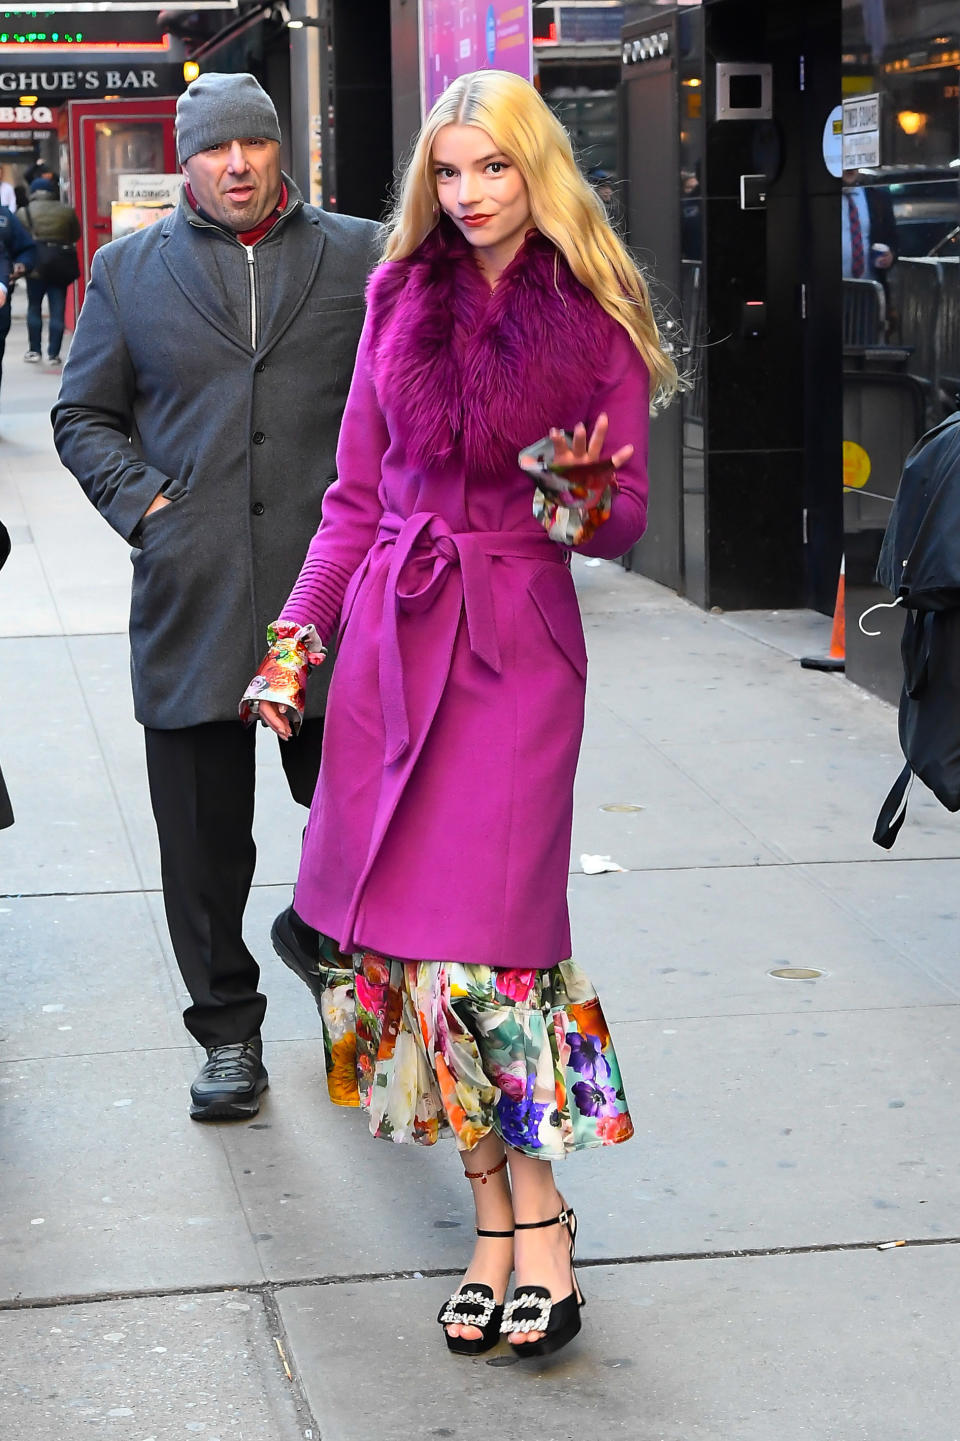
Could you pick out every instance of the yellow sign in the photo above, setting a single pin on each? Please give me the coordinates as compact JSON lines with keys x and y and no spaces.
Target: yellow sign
{"x":856,"y":465}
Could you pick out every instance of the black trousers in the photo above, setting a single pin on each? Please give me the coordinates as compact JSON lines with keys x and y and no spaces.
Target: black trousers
{"x":4,"y":330}
{"x":201,"y":788}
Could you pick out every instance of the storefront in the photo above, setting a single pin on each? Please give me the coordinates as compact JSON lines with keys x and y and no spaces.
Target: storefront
{"x":93,"y":117}
{"x":730,"y":204}
{"x":817,"y":346}
{"x":27,"y":133}
{"x":49,"y":57}
{"x":36,"y":89}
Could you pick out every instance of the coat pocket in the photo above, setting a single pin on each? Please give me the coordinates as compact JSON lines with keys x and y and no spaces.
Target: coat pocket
{"x":155,"y":522}
{"x":328,"y":304}
{"x":552,"y":590}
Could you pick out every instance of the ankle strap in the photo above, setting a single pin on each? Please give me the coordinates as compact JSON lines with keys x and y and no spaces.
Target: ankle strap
{"x":562,"y":1220}
{"x":493,"y":1233}
{"x":481,"y":1176}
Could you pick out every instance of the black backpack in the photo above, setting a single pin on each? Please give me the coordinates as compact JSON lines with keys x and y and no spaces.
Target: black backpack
{"x":920,"y":565}
{"x":56,"y":263}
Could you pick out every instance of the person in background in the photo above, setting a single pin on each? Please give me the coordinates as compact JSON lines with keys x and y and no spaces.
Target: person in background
{"x":38,"y":169}
{"x":17,"y":255}
{"x":604,"y":183}
{"x":199,"y":409}
{"x":869,"y":229}
{"x":50,"y":221}
{"x":507,"y":316}
{"x":8,"y":195}
{"x":6,"y":809}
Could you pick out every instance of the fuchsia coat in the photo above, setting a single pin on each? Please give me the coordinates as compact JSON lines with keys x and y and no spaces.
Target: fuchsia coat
{"x":440,"y":829}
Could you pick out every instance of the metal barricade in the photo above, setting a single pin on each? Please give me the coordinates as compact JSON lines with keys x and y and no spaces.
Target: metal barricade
{"x":949,"y":327}
{"x":915,"y":287}
{"x":864,"y":313}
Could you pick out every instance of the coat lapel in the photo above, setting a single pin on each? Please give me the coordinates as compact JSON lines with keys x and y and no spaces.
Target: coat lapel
{"x":294,"y":272}
{"x":302,"y":247}
{"x":189,"y":268}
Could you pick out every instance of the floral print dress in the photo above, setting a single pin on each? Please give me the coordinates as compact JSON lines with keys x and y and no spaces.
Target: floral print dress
{"x":429,"y":1048}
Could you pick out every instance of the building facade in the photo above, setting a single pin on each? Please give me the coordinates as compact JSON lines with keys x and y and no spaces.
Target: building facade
{"x":799,"y":209}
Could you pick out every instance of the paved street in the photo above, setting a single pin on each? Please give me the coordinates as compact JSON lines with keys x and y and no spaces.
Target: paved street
{"x":156,"y":1275}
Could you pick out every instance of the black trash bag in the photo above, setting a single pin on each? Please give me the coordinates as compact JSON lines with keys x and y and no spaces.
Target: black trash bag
{"x":920,"y":556}
{"x":920,"y":564}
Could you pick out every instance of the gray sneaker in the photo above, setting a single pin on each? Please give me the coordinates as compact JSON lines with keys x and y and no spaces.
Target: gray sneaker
{"x":230,"y":1083}
{"x":33,"y":357}
{"x":54,"y":362}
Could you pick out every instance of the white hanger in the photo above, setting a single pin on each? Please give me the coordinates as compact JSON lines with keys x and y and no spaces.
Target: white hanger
{"x":882,"y":605}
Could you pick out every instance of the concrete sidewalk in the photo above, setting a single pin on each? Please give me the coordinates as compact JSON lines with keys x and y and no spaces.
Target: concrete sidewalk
{"x":156,"y":1275}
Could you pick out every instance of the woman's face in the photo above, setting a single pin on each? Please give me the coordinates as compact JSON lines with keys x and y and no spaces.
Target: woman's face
{"x":483,"y":193}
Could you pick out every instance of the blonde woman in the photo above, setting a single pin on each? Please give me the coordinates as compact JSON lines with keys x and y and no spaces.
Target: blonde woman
{"x":505,"y":312}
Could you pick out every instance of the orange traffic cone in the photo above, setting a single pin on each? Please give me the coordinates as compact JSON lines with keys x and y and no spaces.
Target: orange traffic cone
{"x":837,"y":658}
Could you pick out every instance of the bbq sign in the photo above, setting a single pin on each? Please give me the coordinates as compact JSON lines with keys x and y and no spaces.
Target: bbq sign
{"x":36,"y":116}
{"x":59,"y":83}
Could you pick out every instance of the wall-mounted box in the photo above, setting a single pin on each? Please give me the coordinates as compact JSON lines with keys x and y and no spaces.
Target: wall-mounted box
{"x":744,"y":92}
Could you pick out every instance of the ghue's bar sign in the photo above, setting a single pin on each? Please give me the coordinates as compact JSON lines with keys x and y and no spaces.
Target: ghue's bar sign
{"x":59,"y":83}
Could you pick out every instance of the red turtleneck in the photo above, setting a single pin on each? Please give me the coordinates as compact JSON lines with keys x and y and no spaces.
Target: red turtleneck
{"x":250,"y":237}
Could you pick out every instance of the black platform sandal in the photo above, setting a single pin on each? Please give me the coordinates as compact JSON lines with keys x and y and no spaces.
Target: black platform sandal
{"x":473,"y":1305}
{"x":532,"y":1308}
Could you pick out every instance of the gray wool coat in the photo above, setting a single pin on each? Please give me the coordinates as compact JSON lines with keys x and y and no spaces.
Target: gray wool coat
{"x":217,"y":375}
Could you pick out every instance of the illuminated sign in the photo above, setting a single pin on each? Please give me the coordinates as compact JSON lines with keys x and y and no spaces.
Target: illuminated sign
{"x":33,"y":115}
{"x":57,"y":83}
{"x":93,"y":30}
{"x":457,"y":36}
{"x":82,"y":7}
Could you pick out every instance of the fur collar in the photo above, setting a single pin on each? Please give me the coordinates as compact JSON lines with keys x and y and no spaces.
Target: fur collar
{"x":457,"y":366}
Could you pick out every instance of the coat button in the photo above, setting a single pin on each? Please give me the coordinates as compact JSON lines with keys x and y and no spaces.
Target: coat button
{"x":257,"y":508}
{"x":258,"y":437}
{"x":261,"y":366}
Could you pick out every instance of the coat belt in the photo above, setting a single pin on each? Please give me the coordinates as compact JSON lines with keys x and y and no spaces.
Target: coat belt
{"x":428,"y":535}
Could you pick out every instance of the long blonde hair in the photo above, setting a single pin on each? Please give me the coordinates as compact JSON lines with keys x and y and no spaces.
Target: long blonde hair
{"x":563,"y":206}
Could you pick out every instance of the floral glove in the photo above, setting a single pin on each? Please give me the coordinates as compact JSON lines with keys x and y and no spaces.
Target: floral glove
{"x":571,"y":502}
{"x":282,"y":677}
{"x":572,"y":515}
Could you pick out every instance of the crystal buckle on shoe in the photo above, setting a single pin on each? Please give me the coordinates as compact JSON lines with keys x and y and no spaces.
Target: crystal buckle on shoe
{"x":450,"y":1316}
{"x":527,"y":1301}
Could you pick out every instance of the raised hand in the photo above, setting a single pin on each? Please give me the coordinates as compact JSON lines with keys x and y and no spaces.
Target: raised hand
{"x":582,"y":453}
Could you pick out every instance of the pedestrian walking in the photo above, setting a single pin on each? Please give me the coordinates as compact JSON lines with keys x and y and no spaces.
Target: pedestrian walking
{"x":56,"y":229}
{"x":17,"y":255}
{"x":6,"y":809}
{"x":437,"y":851}
{"x":8,"y":194}
{"x":199,"y":409}
{"x":40,"y":167}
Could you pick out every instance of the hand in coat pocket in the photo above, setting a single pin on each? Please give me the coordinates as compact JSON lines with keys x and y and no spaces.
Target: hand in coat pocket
{"x":158,"y":502}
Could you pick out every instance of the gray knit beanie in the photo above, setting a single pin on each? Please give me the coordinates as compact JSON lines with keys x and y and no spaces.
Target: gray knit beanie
{"x":217,"y":108}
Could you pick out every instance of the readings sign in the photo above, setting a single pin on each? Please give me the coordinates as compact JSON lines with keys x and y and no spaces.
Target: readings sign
{"x":149,"y":189}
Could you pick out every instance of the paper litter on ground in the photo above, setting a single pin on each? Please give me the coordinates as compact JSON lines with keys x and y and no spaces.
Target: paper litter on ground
{"x":597,"y":865}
